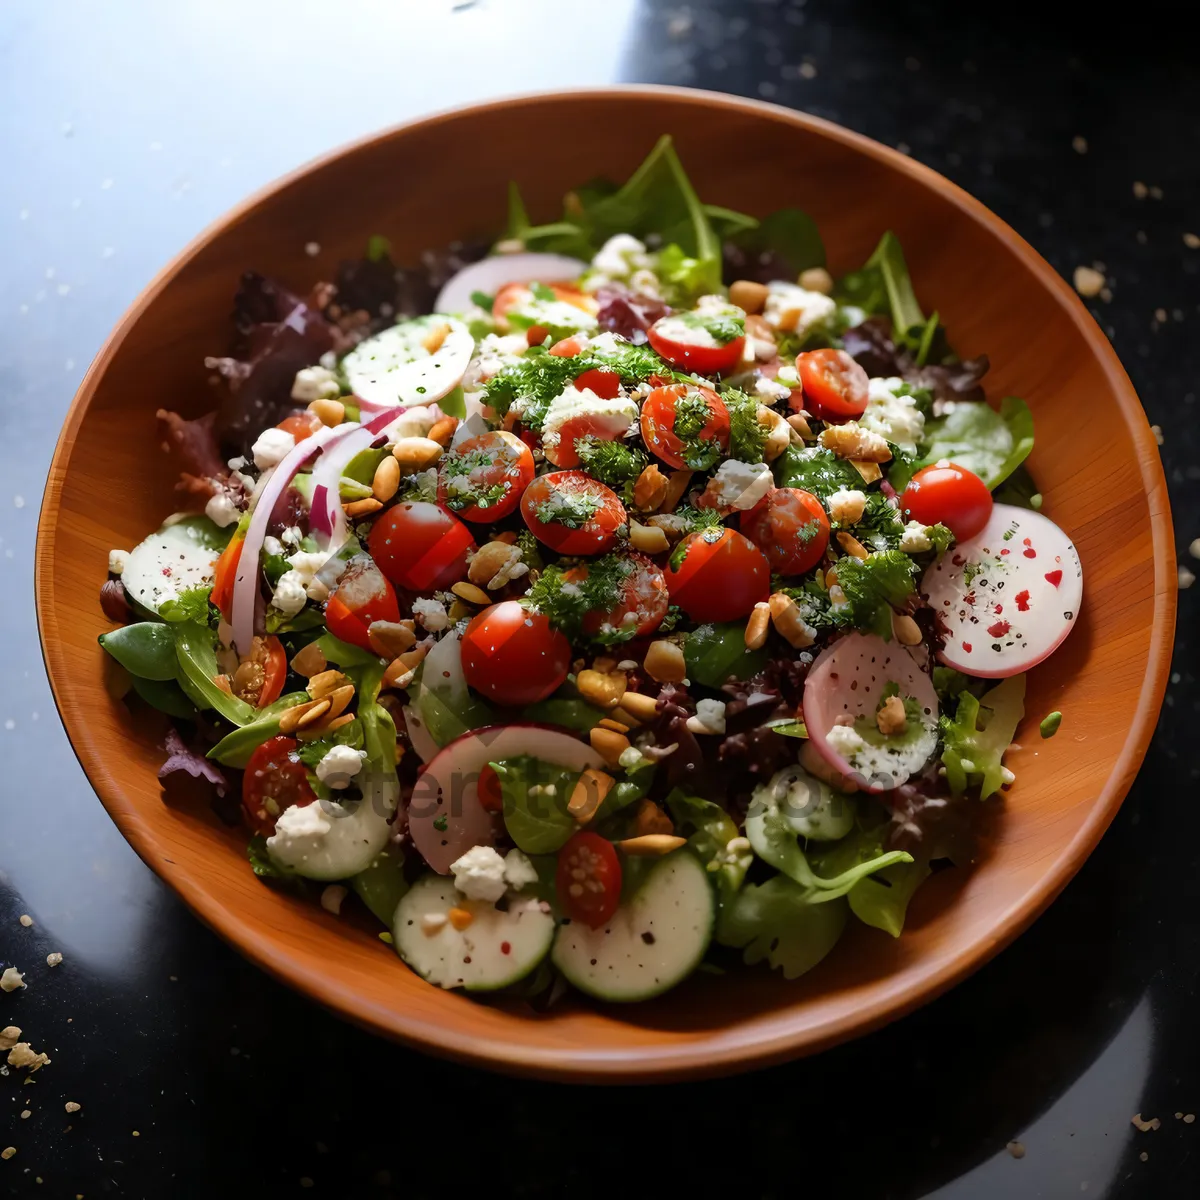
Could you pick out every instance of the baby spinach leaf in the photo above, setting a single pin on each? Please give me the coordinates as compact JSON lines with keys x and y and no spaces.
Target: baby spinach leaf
{"x":715,"y":652}
{"x":236,"y":747}
{"x":883,"y":285}
{"x":789,"y":234}
{"x":195,"y":649}
{"x":167,"y":696}
{"x":146,"y":649}
{"x":773,"y":922}
{"x":382,"y":885}
{"x":535,"y":803}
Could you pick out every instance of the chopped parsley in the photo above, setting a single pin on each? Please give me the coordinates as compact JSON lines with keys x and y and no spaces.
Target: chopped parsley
{"x":691,"y":416}
{"x":542,"y":292}
{"x":710,"y":533}
{"x":873,"y":585}
{"x":190,"y":605}
{"x":722,"y":326}
{"x":816,"y":470}
{"x":698,"y":518}
{"x":464,"y":492}
{"x":595,"y":587}
{"x":572,"y":509}
{"x":483,"y":300}
{"x":747,"y":436}
{"x":616,"y":464}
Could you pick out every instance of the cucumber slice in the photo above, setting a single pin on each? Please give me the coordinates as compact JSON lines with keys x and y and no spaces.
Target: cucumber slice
{"x":176,"y":559}
{"x":497,"y":948}
{"x":395,"y":366}
{"x":654,"y":940}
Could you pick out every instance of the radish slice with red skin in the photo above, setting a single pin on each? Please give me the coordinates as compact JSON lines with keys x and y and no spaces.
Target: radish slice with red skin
{"x":447,"y":787}
{"x":425,"y":748}
{"x":1006,"y":598}
{"x":847,"y":681}
{"x":489,"y":275}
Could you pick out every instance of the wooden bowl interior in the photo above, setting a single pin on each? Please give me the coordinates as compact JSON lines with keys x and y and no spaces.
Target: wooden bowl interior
{"x":426,"y":185}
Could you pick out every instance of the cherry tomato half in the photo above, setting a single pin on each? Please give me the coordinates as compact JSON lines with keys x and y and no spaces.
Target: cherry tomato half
{"x":224,"y":573}
{"x":790,"y":527}
{"x":686,"y":426}
{"x":951,"y":496}
{"x":572,"y":513}
{"x":588,"y":879}
{"x":684,"y":342}
{"x":260,"y":675}
{"x":275,"y":779}
{"x":482,"y":478}
{"x":604,"y":382}
{"x":420,"y":546}
{"x":603,"y":421}
{"x":720,"y":575}
{"x":362,"y":596}
{"x":513,"y":656}
{"x":300,"y":425}
{"x":569,"y":347}
{"x":641,"y":605}
{"x":835,"y":386}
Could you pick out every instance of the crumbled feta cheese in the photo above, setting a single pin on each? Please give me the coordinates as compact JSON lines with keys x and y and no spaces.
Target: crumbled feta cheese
{"x":314,"y":383}
{"x":339,"y":766}
{"x":496,"y":351}
{"x":332,"y":897}
{"x":646,"y":283}
{"x":915,"y":538}
{"x":893,"y":417}
{"x":771,"y":391}
{"x":788,"y":374}
{"x":272,"y":546}
{"x":685,"y":332}
{"x":413,"y":422}
{"x":519,"y":872}
{"x":290,"y":593}
{"x":844,"y":740}
{"x":304,"y":825}
{"x":12,"y":979}
{"x":796,"y":310}
{"x":615,"y":416}
{"x":479,"y":874}
{"x":606,"y":343}
{"x":271,"y":447}
{"x":236,"y":464}
{"x":316,"y":571}
{"x":117,"y":560}
{"x":738,"y":485}
{"x":221,"y":510}
{"x":431,"y":615}
{"x":328,"y":360}
{"x":709,"y":717}
{"x":620,"y":256}
{"x":846,"y":505}
{"x":291,"y":536}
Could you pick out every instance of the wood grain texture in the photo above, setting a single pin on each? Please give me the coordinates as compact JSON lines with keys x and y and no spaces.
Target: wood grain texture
{"x":443,"y":178}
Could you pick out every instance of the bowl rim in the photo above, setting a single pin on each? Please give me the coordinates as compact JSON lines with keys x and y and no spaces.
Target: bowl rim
{"x":772,"y":1040}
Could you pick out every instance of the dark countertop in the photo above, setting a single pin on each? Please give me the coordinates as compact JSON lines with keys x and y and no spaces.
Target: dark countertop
{"x":128,"y":128}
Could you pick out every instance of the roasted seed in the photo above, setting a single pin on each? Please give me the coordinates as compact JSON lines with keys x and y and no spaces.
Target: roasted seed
{"x":387,"y":480}
{"x":416,"y":453}
{"x":609,"y":744}
{"x":677,"y":484}
{"x":320,"y":685}
{"x":907,"y":631}
{"x":652,"y":820}
{"x":390,"y":638}
{"x":650,"y":489}
{"x":328,"y":412}
{"x":603,"y":689}
{"x":758,"y":626}
{"x":641,"y":708}
{"x":363,"y":508}
{"x":471,"y":594}
{"x":309,"y":661}
{"x":651,"y":844}
{"x":749,"y":295}
{"x":588,"y":794}
{"x":443,"y":430}
{"x":852,"y":546}
{"x":649,"y":539}
{"x":665,"y":663}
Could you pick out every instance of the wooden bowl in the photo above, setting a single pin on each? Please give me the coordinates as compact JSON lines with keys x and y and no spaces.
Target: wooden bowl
{"x":430,"y":182}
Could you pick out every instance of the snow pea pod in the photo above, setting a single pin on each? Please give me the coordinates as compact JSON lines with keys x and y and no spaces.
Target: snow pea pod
{"x":235,"y":748}
{"x":146,"y":649}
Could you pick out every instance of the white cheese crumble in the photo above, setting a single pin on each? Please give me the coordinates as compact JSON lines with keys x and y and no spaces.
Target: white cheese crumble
{"x":846,"y":505}
{"x":413,"y":422}
{"x":332,"y":898}
{"x":893,"y":417}
{"x":915,"y":538}
{"x":519,"y":872}
{"x":272,"y":546}
{"x":794,"y":309}
{"x":771,"y":391}
{"x":271,"y":447}
{"x":310,"y":566}
{"x":116,"y":561}
{"x":615,"y":415}
{"x":709,"y":717}
{"x":431,"y":615}
{"x":479,"y":874}
{"x":300,"y":823}
{"x":221,"y":510}
{"x":788,"y":374}
{"x":844,"y":740}
{"x":290,"y":593}
{"x":738,"y":485}
{"x":620,"y":258}
{"x":339,"y":766}
{"x":681,"y":330}
{"x":606,"y":342}
{"x":314,"y":383}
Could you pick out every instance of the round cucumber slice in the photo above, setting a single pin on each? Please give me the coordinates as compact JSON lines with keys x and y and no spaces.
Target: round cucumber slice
{"x":495,"y":950}
{"x":654,"y":940}
{"x":175,"y":559}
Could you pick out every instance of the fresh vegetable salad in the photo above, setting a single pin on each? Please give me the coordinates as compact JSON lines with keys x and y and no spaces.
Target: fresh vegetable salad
{"x":600,"y":604}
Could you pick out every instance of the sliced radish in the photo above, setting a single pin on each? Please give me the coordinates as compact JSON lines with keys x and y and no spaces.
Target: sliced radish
{"x":425,"y":748}
{"x":489,"y":275}
{"x":445,"y":794}
{"x":842,"y":694}
{"x":1008,"y":597}
{"x":396,"y":367}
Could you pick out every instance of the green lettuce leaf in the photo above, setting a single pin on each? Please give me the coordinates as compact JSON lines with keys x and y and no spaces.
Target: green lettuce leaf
{"x":883,"y":285}
{"x":236,"y":747}
{"x":789,"y":234}
{"x":873,"y":586}
{"x":975,"y":738}
{"x":709,"y":830}
{"x":145,"y":649}
{"x":816,"y":470}
{"x":537,"y":820}
{"x":196,"y":651}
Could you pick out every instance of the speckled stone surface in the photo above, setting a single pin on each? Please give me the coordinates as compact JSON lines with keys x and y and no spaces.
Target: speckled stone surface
{"x":125,"y":129}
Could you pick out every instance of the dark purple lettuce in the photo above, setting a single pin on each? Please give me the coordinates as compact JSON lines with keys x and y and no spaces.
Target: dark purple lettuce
{"x":628,"y":314}
{"x":191,"y":761}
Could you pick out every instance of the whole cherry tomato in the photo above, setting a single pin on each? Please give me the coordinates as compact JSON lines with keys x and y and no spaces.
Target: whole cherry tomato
{"x":790,"y":527}
{"x":572,"y":513}
{"x":420,"y":547}
{"x":835,"y":386}
{"x":514,"y":656}
{"x":718,"y":575}
{"x":950,"y":496}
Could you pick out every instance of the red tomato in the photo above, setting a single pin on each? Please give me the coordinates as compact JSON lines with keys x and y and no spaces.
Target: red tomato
{"x":641,"y":606}
{"x":951,"y":496}
{"x":790,"y":527}
{"x":516,"y":295}
{"x":262,"y":687}
{"x":420,"y":546}
{"x":591,"y":897}
{"x":572,"y":513}
{"x":720,"y":575}
{"x":605,"y":383}
{"x":362,"y":596}
{"x":569,"y":347}
{"x":513,"y":656}
{"x":536,"y":335}
{"x":686,"y":426}
{"x":300,"y":426}
{"x":224,"y":574}
{"x":835,"y":386}
{"x":482,"y":478}
{"x":275,"y":779}
{"x":694,"y":349}
{"x":488,"y":789}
